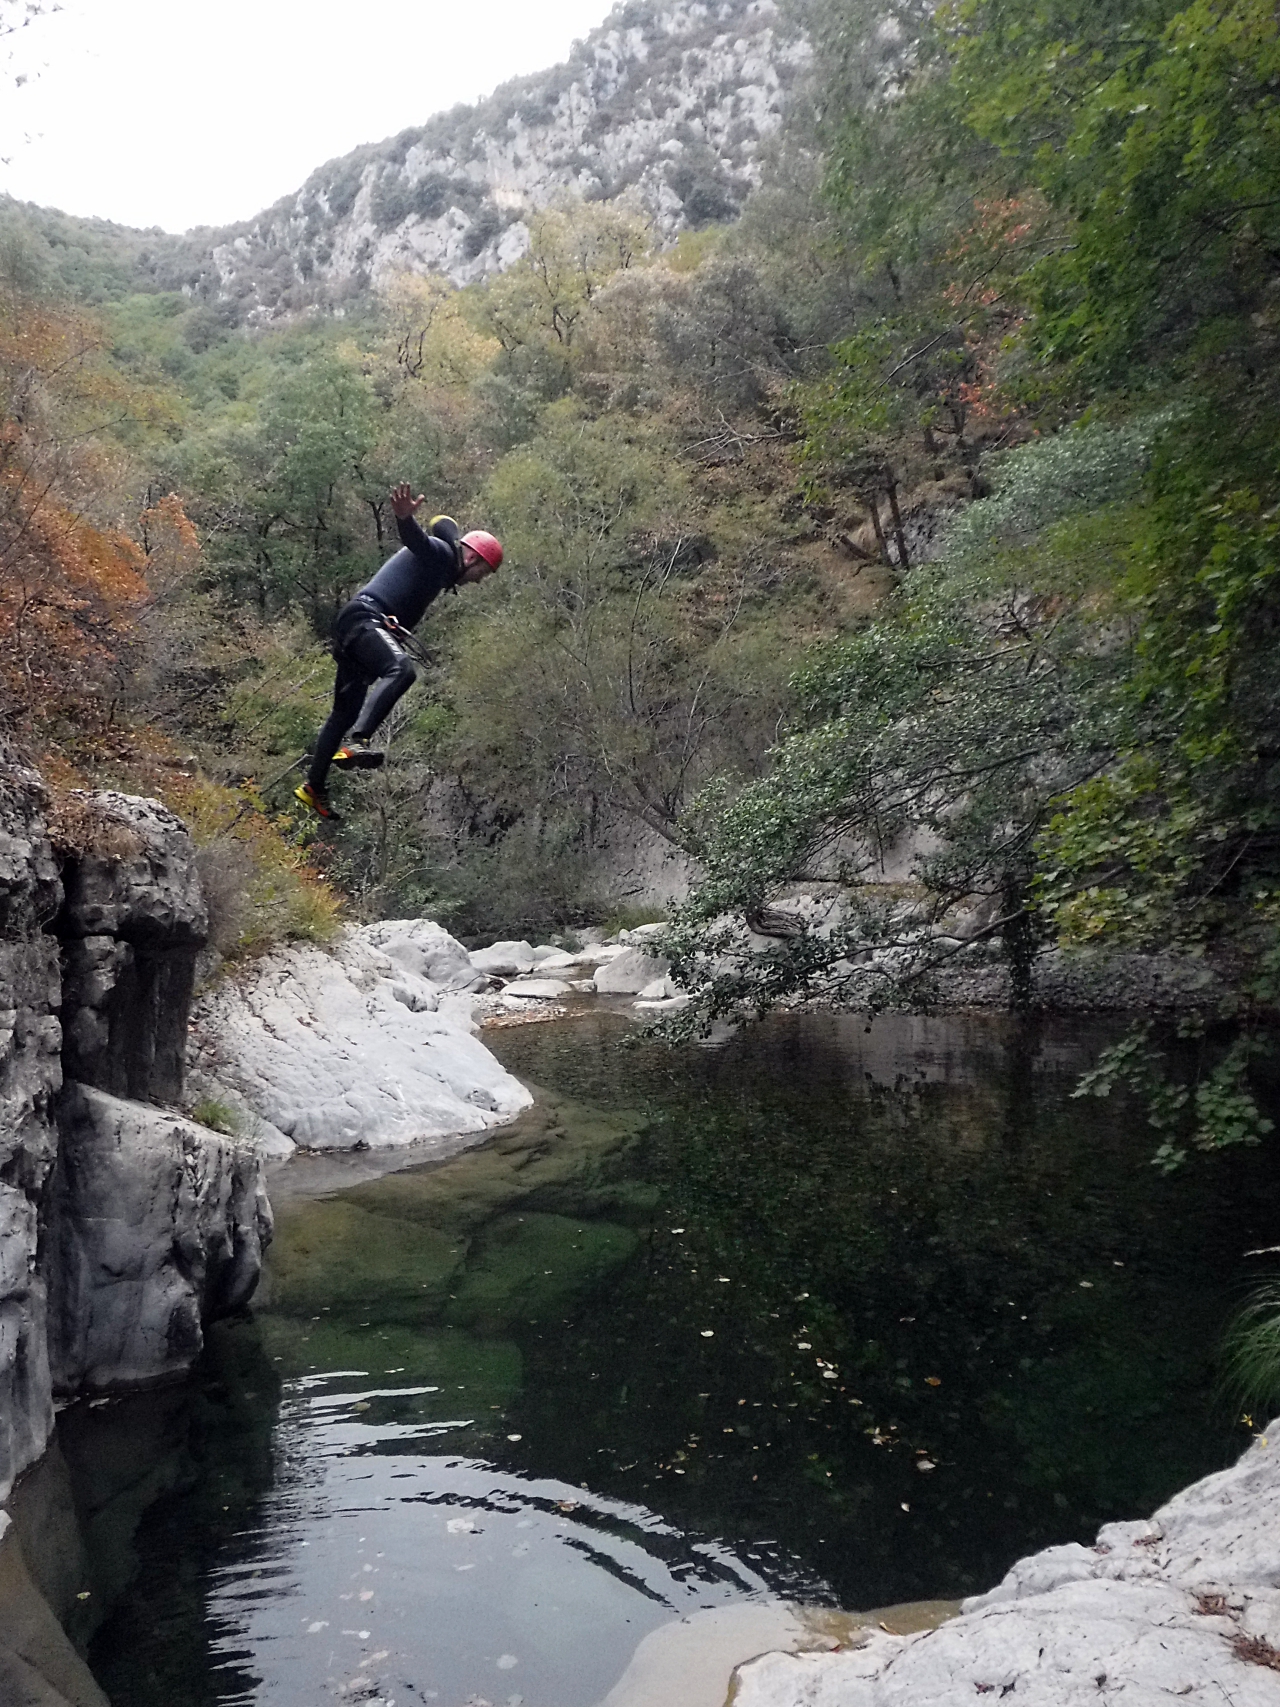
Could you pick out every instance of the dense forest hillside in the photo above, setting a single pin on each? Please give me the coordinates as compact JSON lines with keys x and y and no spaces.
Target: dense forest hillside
{"x":901,"y":543}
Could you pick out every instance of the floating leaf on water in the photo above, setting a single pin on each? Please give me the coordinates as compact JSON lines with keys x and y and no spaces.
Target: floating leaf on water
{"x":933,"y":1380}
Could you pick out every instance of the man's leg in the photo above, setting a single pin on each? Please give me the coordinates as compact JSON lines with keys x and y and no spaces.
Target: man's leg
{"x":380,"y":657}
{"x":348,"y":696}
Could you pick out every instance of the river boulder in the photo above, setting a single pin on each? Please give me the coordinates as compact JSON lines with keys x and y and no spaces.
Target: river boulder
{"x":504,"y":959}
{"x":630,"y":972}
{"x":348,"y":1048}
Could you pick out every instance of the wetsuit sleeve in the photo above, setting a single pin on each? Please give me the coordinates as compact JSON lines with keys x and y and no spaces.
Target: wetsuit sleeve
{"x":421,"y":545}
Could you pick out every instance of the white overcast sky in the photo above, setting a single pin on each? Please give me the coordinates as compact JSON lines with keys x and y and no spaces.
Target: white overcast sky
{"x":169,"y":113}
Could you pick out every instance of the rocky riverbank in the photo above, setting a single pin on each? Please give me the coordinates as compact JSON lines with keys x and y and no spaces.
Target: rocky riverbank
{"x":1185,"y":1606}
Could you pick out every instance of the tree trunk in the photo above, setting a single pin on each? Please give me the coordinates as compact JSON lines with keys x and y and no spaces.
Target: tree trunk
{"x":875,"y":522}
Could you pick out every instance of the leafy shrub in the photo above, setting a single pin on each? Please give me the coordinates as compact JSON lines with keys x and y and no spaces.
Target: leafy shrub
{"x":484,"y":228}
{"x":392,"y":200}
{"x":343,"y":188}
{"x":258,"y":885}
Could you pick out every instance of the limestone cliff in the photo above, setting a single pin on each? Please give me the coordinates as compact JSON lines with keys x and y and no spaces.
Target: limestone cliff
{"x":671,"y":103}
{"x":123,"y":1226}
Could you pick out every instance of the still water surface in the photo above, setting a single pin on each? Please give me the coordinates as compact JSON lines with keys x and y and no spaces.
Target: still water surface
{"x":847,"y":1317}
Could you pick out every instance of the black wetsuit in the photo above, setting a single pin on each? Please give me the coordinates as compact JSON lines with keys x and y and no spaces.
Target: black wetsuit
{"x":371,"y":661}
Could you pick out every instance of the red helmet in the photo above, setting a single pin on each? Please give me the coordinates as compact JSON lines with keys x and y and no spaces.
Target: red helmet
{"x":484,"y":545}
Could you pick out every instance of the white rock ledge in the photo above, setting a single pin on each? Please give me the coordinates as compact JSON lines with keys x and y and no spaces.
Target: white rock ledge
{"x":368,"y":1045}
{"x":1183,"y":1608}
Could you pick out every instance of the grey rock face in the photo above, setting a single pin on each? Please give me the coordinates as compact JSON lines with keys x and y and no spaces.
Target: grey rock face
{"x":30,"y":1077}
{"x":133,"y":922}
{"x":155,"y":1225}
{"x":139,"y":1224}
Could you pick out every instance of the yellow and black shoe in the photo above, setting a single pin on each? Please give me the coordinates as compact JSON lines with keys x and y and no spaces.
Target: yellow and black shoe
{"x":357,"y":758}
{"x":317,"y":800}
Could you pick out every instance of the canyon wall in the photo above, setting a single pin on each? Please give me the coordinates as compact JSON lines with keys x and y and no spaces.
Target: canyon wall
{"x":124,"y":1225}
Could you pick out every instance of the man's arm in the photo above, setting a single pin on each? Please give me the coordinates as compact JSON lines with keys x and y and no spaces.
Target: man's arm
{"x":403,"y":506}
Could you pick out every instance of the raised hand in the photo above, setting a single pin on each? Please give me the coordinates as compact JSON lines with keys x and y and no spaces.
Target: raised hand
{"x":403,"y":503}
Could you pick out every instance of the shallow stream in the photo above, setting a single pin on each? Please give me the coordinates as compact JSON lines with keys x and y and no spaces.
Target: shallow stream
{"x":839,"y":1316}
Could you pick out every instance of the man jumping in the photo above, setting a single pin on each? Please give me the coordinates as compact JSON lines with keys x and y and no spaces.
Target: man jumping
{"x":373,"y":668}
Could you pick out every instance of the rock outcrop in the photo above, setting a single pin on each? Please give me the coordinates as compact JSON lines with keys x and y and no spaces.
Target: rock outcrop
{"x":369,"y":1045}
{"x":132,"y":923}
{"x":30,"y":1078}
{"x":123,"y":1227}
{"x":156,"y":1226}
{"x":1183,"y":1607}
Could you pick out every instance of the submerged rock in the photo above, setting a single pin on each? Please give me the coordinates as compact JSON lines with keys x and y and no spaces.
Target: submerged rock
{"x":353,"y":1048}
{"x":1186,"y":1606}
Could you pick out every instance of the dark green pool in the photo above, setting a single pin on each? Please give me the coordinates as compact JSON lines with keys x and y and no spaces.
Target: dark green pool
{"x":841,"y":1316}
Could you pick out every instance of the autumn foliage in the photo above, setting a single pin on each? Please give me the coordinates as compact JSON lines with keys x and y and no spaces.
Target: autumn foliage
{"x":73,"y":578}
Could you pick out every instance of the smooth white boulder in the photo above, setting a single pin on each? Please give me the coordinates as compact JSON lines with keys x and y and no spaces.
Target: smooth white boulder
{"x":1185,"y":1607}
{"x":555,"y":960}
{"x":349,"y":1048}
{"x":630,"y":972}
{"x":426,"y":949}
{"x":503,"y":959}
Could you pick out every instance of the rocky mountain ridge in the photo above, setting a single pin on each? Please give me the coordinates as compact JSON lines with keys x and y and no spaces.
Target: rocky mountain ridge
{"x":668,"y":105}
